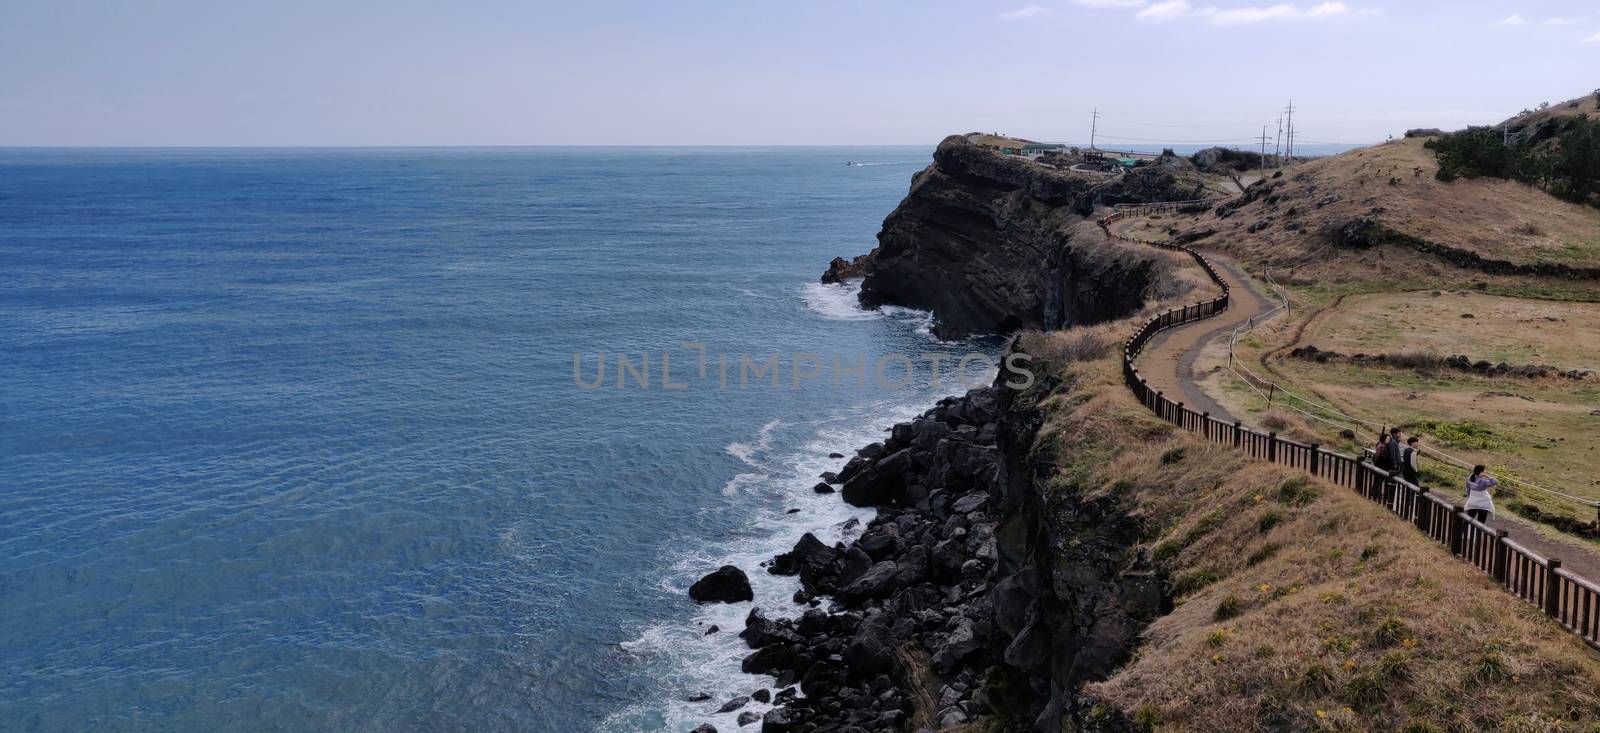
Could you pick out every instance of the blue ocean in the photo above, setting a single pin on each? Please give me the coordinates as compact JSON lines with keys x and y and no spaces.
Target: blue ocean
{"x":306,"y":440}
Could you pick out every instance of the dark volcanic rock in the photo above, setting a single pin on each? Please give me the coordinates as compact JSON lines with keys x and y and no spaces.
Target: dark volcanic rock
{"x":726,"y":584}
{"x":841,"y":269}
{"x":777,"y":720}
{"x":990,"y":244}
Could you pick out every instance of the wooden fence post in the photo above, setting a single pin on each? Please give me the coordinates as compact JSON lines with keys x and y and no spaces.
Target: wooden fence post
{"x":1552,"y":589}
{"x":1238,"y":433}
{"x":1316,"y":459}
{"x":1181,"y":417}
{"x":1359,"y":480}
{"x":1424,"y":517}
{"x":1205,"y":425}
{"x":1272,"y":447}
{"x":1390,"y":488}
{"x":1458,"y":529}
{"x":1501,"y":555}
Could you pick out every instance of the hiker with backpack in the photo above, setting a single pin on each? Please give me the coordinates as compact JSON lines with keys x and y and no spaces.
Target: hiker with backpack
{"x":1380,"y":453}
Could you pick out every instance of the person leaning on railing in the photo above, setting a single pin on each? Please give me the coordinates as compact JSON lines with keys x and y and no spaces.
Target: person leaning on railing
{"x":1480,"y":505}
{"x":1408,"y":461}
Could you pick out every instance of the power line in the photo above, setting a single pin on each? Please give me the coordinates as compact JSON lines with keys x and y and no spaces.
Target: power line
{"x":1156,"y":141}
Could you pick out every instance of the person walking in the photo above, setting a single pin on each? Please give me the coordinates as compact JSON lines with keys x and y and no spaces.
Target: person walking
{"x":1408,"y":461}
{"x":1480,"y":505}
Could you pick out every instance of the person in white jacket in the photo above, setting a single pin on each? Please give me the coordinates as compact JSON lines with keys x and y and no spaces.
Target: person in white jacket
{"x":1480,"y":505}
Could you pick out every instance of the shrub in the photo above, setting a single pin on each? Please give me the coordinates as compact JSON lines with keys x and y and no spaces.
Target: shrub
{"x":1229,"y":607}
{"x":1317,"y":680}
{"x":1193,"y":581}
{"x":1267,"y":521}
{"x":1172,"y":456}
{"x":1420,"y":726}
{"x":1395,"y":666}
{"x":1218,"y":637}
{"x":1365,"y":689}
{"x":1391,"y":631}
{"x":1261,"y":555}
{"x":1489,"y":667}
{"x":1146,"y":717}
{"x":1296,"y":492}
{"x":1568,"y":167}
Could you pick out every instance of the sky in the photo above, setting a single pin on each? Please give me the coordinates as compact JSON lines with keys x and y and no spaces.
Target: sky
{"x":773,"y":72}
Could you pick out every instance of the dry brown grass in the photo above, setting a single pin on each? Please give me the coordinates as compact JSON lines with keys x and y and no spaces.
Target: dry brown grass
{"x":1334,"y":614}
{"x":1394,"y":183}
{"x":1584,"y":105}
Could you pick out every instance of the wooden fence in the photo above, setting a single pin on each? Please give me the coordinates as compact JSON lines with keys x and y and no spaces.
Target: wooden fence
{"x":1570,"y":599}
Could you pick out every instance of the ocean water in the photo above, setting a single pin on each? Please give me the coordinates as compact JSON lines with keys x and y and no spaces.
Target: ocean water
{"x":293,"y":440}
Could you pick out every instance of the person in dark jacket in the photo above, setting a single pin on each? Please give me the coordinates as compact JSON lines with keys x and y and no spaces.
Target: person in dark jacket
{"x":1397,"y":448}
{"x":1408,"y":461}
{"x":1380,"y":453}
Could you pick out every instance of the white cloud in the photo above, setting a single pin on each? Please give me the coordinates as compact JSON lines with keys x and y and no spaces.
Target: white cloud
{"x":1562,"y":21}
{"x":1514,"y":19}
{"x":1109,"y":3}
{"x":1165,"y":11}
{"x":1029,"y":11}
{"x":1328,"y":10}
{"x":1592,"y":39}
{"x":1174,"y":9}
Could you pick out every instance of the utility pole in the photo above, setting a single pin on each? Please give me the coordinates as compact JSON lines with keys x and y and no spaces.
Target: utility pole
{"x":1263,"y":151}
{"x":1094,"y":122}
{"x":1277,"y":147}
{"x":1290,"y":147}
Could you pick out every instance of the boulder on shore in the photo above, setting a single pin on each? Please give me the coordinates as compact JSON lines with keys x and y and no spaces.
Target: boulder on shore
{"x":726,"y":584}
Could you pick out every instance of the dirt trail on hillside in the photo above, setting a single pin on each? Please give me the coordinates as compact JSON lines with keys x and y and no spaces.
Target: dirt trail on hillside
{"x":1167,"y":364}
{"x":1168,"y":360}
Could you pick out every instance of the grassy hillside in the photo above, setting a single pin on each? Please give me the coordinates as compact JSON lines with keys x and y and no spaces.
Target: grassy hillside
{"x":1380,"y":256}
{"x":1319,"y":208}
{"x":1300,"y":605}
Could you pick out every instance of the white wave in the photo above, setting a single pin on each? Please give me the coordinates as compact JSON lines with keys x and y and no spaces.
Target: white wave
{"x":747,"y":452}
{"x":740,"y":481}
{"x":679,"y":655}
{"x":837,"y":301}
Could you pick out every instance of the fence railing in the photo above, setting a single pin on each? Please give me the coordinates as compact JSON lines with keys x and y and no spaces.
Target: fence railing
{"x":1573,"y":601}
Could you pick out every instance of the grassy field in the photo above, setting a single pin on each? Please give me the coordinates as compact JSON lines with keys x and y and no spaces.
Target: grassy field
{"x":1300,"y":606}
{"x":1545,"y":431}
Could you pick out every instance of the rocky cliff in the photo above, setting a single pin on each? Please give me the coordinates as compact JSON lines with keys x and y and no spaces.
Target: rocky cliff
{"x":982,"y":590}
{"x":991,"y":243}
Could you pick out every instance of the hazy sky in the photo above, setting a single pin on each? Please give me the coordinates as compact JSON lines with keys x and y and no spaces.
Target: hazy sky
{"x":476,"y":72}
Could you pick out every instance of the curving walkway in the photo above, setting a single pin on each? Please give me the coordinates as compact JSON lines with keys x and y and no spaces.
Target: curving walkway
{"x":1167,"y":364}
{"x":1168,"y":360}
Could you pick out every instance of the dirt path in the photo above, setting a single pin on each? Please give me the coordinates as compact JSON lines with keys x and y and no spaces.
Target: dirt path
{"x":1169,"y":357}
{"x":1168,"y":365}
